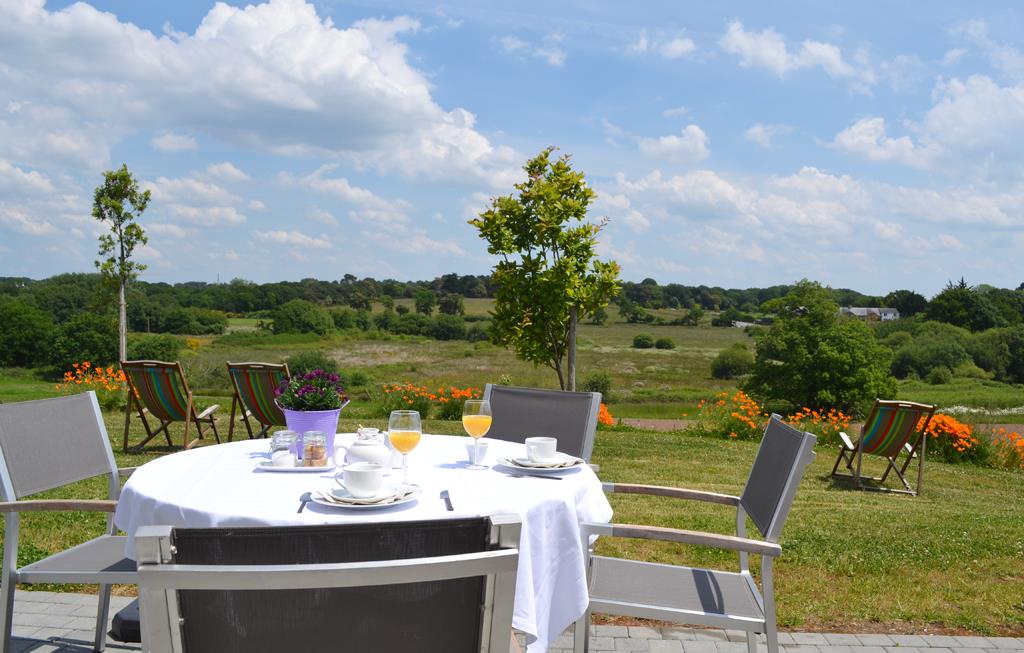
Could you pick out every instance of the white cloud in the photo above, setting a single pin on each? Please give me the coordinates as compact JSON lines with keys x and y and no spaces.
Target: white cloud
{"x":549,"y":49}
{"x":675,"y":112}
{"x":953,"y":56}
{"x":320,"y":215}
{"x":293,"y":238}
{"x":14,"y":179}
{"x":347,"y":92}
{"x":172,"y":142}
{"x":208,"y":216}
{"x":867,"y":137}
{"x":763,"y":134}
{"x":617,"y":207}
{"x":17,"y":219}
{"x":369,"y":206}
{"x":166,"y":229}
{"x":690,"y":145}
{"x":227,"y":172}
{"x":1004,"y":58}
{"x":669,"y":48}
{"x":768,"y":49}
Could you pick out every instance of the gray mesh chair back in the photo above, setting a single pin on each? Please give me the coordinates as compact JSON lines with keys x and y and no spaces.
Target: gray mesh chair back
{"x":52,"y":442}
{"x":387,"y":601}
{"x":521,"y":413}
{"x":44,"y":445}
{"x":775,"y":475}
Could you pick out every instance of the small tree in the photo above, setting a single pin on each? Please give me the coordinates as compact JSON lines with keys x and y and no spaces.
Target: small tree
{"x":547,"y":278}
{"x":118,"y":203}
{"x":451,"y":304}
{"x":425,"y":301}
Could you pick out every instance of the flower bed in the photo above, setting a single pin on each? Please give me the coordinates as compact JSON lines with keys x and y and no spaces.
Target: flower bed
{"x":110,"y":385}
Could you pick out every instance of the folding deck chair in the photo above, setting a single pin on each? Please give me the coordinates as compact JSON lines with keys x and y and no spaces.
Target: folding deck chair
{"x":161,"y":390}
{"x":254,"y":385}
{"x":891,"y":429}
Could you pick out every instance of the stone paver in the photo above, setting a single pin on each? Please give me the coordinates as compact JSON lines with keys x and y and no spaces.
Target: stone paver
{"x":55,"y":622}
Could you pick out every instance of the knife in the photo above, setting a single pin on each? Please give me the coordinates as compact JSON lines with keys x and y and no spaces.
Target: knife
{"x":447,"y":500}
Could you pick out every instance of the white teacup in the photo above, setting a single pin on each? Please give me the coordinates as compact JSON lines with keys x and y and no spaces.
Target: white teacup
{"x":542,"y":450}
{"x":362,"y":480}
{"x":483,"y":451}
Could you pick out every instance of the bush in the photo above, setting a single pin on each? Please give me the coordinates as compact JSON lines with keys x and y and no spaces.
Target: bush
{"x":344,"y":318}
{"x":664,"y":343}
{"x":300,"y":316}
{"x":307,"y":361}
{"x":968,"y":370}
{"x":934,"y":345}
{"x":897,"y":340}
{"x":940,"y":375}
{"x":192,"y":321}
{"x":643,"y":341}
{"x":412,"y":324}
{"x":447,"y":327}
{"x":358,"y":379}
{"x":85,"y":337}
{"x":162,"y":347}
{"x":477,"y":333}
{"x":598,"y":382}
{"x":732,"y":362}
{"x":25,"y":333}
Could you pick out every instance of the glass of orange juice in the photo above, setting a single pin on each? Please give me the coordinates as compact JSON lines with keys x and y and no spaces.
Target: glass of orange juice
{"x":404,"y":431}
{"x":476,"y":419}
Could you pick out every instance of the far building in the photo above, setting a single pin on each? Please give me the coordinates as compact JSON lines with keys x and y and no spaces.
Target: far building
{"x":870,"y":313}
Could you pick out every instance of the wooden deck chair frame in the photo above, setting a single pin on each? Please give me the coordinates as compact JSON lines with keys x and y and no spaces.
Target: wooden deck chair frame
{"x":187,"y":414}
{"x":913,"y":445}
{"x":237,"y":403}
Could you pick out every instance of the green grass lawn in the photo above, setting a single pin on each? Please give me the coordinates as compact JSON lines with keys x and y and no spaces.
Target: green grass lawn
{"x":952,"y":558}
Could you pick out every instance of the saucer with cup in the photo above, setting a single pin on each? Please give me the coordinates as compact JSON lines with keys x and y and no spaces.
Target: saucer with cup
{"x":361,"y":480}
{"x":542,"y":450}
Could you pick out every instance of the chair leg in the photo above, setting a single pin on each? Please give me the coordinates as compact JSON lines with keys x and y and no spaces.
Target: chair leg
{"x":231,"y":420}
{"x":581,"y":634}
{"x":772,"y":638}
{"x":102,"y":610}
{"x":127,"y":420}
{"x":6,"y":611}
{"x":751,"y":642}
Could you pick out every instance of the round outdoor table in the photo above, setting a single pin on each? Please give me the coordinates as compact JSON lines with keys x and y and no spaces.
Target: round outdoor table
{"x":220,"y":486}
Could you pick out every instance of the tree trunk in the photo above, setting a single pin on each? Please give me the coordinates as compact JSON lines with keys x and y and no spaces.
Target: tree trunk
{"x":122,"y":326}
{"x":573,"y":317}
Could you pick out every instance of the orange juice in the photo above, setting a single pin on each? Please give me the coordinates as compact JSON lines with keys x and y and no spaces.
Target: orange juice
{"x":476,"y":425}
{"x":404,"y":441}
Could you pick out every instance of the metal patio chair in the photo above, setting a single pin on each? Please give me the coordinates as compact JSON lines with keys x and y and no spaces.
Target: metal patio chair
{"x":44,"y":445}
{"x":254,"y":385}
{"x":892,"y":428}
{"x":520,"y":413}
{"x":696,"y":596}
{"x":435,"y":586}
{"x":160,"y":389}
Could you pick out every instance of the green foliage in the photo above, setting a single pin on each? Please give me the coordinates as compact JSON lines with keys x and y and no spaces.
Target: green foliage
{"x":425,"y":301}
{"x":664,"y":343}
{"x":968,"y":370}
{"x":300,"y":316}
{"x":477,"y":333}
{"x":548,"y":276}
{"x":25,"y":334}
{"x":85,"y":337}
{"x":643,"y":341}
{"x":194,"y":321}
{"x":897,"y":340}
{"x":161,"y":347}
{"x":447,"y":327}
{"x":812,"y":357}
{"x":315,"y":390}
{"x":940,"y":375}
{"x":935,"y":345}
{"x":401,"y":309}
{"x":1001,"y":352}
{"x":598,"y":382}
{"x":960,"y":305}
{"x":732,"y":362}
{"x":907,"y":302}
{"x":451,"y":304}
{"x":344,"y":318}
{"x":693,"y":317}
{"x":312,"y":359}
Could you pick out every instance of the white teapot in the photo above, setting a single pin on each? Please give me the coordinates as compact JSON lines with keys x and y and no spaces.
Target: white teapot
{"x":368,"y":447}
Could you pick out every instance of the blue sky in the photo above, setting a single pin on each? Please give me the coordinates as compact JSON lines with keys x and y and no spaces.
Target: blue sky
{"x":735,"y":143}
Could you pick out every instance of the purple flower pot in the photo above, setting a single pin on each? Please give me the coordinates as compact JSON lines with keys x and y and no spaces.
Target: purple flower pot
{"x":301,"y":421}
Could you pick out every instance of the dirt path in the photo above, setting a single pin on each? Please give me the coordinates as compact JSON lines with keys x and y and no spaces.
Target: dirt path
{"x":657,"y":424}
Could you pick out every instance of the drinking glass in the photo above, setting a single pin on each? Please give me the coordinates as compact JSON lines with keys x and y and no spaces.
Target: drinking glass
{"x":476,"y":419}
{"x":404,"y":431}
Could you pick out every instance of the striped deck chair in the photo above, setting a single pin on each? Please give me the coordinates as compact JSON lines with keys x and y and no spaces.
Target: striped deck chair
{"x":254,"y":385}
{"x":891,"y":429}
{"x":160,"y":389}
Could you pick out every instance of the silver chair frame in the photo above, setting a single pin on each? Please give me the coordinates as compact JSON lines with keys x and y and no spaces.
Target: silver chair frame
{"x":768,"y":549}
{"x":160,"y":579}
{"x":12,"y":509}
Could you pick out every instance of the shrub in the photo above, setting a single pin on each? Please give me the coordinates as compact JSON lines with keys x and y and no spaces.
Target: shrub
{"x":897,"y":340}
{"x":477,"y":333}
{"x":940,"y":375}
{"x":1001,"y":351}
{"x":664,"y":343}
{"x":110,"y":384}
{"x":1007,"y":449}
{"x":825,"y":424}
{"x":927,"y":352}
{"x":344,"y":318}
{"x":307,"y":361}
{"x":968,"y":370}
{"x":447,"y":327}
{"x":732,"y":362}
{"x":25,"y":333}
{"x":162,"y":347}
{"x":193,"y":321}
{"x":412,"y":324}
{"x":643,"y":341}
{"x":735,"y":416}
{"x":953,"y":441}
{"x":300,"y":316}
{"x":598,"y":382}
{"x":85,"y":337}
{"x":358,"y":378}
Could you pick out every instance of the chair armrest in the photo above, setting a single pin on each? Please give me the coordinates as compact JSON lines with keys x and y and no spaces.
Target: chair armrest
{"x":847,"y":442}
{"x":84,"y":505}
{"x":675,"y":492}
{"x":126,"y":471}
{"x":208,"y":411}
{"x":685,"y":537}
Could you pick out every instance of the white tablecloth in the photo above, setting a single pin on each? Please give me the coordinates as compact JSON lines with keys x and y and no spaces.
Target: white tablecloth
{"x":219,"y":486}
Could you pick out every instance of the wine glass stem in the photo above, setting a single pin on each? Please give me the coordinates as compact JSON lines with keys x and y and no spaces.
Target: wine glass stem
{"x":405,"y":467}
{"x":476,"y":451}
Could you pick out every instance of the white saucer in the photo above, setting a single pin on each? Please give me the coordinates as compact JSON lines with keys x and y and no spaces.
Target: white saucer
{"x":525,"y":463}
{"x":555,"y":463}
{"x":267,"y":466}
{"x":385,"y":491}
{"x":316,"y":498}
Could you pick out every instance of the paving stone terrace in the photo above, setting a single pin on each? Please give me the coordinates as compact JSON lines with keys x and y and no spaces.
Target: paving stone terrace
{"x":48,"y":622}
